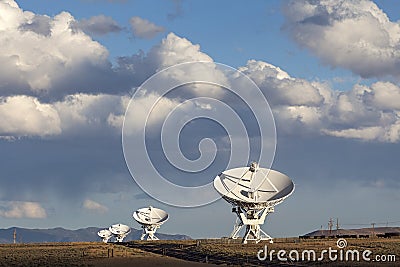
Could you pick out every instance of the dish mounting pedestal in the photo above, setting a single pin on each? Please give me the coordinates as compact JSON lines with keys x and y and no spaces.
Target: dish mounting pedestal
{"x":252,"y":218}
{"x":149,"y":230}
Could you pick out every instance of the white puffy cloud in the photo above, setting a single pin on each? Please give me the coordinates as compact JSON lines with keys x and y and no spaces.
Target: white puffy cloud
{"x":31,"y":116}
{"x":354,"y":34}
{"x":299,"y":105}
{"x":370,"y":113}
{"x":55,"y":53}
{"x":143,"y":28}
{"x":171,"y":51}
{"x":25,"y":115}
{"x":94,"y":206}
{"x":87,"y":112}
{"x":280,"y":88}
{"x":28,"y":116}
{"x":364,"y":112}
{"x":19,"y":209}
{"x":385,"y":95}
{"x":174,"y":50}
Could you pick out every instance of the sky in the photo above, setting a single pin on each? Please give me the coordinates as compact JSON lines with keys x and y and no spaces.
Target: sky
{"x":327,"y":71}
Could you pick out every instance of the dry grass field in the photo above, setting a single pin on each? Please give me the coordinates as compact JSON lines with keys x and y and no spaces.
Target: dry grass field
{"x":82,"y":254}
{"x":232,"y":252}
{"x":188,"y":253}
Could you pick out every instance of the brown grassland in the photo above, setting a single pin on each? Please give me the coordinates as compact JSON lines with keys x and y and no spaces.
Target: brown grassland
{"x":188,"y":253}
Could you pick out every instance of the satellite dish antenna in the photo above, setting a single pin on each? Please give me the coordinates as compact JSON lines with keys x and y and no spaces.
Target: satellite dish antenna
{"x":151,"y":219}
{"x":105,"y":235}
{"x":120,"y":231}
{"x":253,"y":192}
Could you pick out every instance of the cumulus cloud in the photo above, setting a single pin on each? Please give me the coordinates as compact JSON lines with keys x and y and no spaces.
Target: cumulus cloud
{"x":97,"y":25}
{"x":174,"y":50}
{"x":171,"y":51}
{"x":18,"y":209}
{"x":91,"y":205}
{"x":280,"y":88}
{"x":25,"y":115}
{"x":369,"y":113}
{"x":88,"y":113}
{"x":65,"y":62}
{"x":355,"y":34}
{"x":28,"y":116}
{"x":385,"y":95}
{"x":142,"y":28}
{"x":56,"y":59}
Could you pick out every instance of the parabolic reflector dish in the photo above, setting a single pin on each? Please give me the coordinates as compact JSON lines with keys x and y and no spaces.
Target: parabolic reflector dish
{"x":151,"y":219}
{"x":105,"y":235}
{"x":120,"y":231}
{"x":253,"y":192}
{"x":263,"y":186}
{"x":150,"y":216}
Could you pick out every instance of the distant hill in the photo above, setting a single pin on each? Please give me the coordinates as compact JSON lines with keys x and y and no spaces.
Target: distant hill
{"x":59,"y":234}
{"x":378,"y":231}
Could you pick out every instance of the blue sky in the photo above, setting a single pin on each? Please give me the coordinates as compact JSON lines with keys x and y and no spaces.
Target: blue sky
{"x":228,"y":32}
{"x":68,"y":69}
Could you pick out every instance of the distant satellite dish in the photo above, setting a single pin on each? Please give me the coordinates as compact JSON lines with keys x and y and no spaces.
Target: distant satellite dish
{"x":120,"y":231}
{"x":151,"y":219}
{"x":105,"y":235}
{"x":253,"y":192}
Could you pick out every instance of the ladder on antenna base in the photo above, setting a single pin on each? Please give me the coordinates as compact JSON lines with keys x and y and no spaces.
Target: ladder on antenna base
{"x":252,"y":218}
{"x":149,"y":230}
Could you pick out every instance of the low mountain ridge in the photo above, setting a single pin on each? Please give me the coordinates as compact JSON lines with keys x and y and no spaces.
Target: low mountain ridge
{"x":60,"y":234}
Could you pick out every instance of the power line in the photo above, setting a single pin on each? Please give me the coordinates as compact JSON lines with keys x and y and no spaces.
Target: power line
{"x":387,"y":222}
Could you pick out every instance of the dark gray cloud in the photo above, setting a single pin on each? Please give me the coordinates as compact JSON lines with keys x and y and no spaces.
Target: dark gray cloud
{"x":97,"y":25}
{"x":177,"y":12}
{"x":142,"y":28}
{"x":39,"y":24}
{"x":41,"y":170}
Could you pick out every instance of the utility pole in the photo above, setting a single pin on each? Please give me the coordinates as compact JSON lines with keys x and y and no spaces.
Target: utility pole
{"x":337,"y":226}
{"x":15,"y":235}
{"x":373,"y":229}
{"x":330,"y":225}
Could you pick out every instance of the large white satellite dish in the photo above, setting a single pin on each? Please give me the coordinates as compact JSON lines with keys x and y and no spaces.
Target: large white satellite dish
{"x":151,"y":219}
{"x":253,"y":192}
{"x":105,"y":235}
{"x":120,"y":231}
